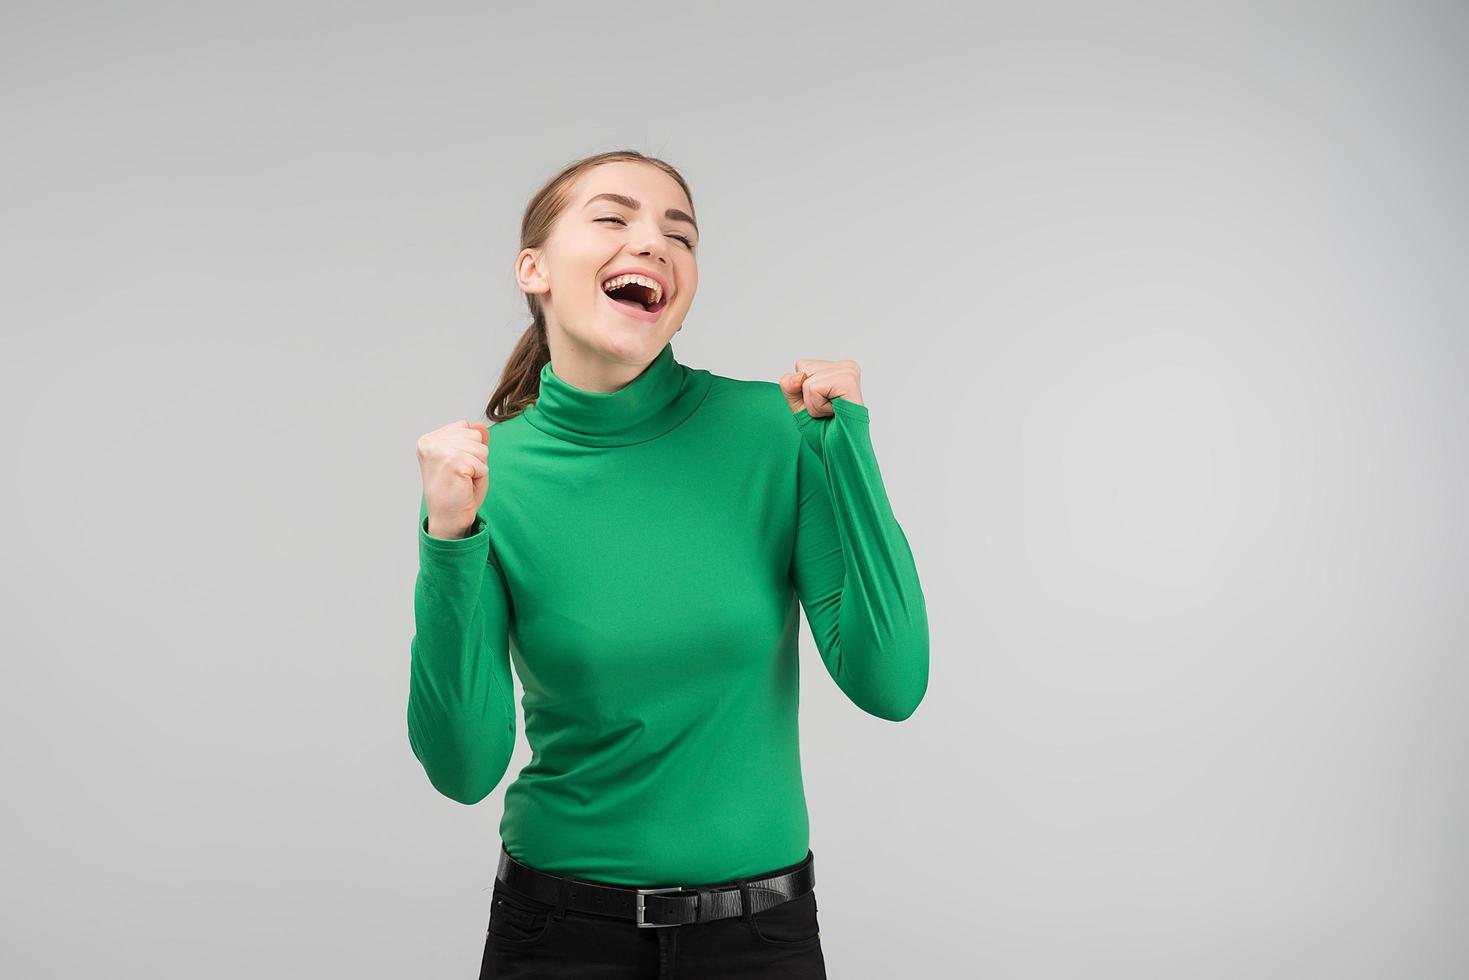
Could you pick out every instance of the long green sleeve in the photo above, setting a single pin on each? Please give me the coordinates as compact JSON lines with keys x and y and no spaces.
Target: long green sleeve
{"x":461,"y":711}
{"x":640,"y":563}
{"x":854,"y":570}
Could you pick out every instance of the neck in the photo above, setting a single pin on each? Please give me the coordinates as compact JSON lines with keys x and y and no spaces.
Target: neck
{"x":586,"y":369}
{"x":655,"y":401}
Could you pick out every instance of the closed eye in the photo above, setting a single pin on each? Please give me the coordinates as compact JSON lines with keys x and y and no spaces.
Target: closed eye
{"x":682,"y":238}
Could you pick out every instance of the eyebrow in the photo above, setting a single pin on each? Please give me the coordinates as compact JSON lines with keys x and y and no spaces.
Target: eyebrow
{"x":633,"y":204}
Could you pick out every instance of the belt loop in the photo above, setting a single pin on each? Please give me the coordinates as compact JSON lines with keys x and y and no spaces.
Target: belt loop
{"x":561,"y":889}
{"x":745,"y":912}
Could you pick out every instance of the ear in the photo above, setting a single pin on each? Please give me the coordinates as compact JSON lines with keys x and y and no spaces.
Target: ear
{"x":529,"y":274}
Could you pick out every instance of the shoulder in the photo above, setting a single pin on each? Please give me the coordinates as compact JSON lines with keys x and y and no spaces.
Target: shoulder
{"x":506,"y":435}
{"x":759,"y":404}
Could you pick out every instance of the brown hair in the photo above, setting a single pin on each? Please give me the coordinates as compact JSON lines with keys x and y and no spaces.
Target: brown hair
{"x":520,"y":381}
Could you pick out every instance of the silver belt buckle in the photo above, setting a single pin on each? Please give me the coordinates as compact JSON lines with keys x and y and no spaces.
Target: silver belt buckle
{"x":654,"y":891}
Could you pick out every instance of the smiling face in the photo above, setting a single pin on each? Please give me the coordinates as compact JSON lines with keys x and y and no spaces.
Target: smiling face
{"x":642,"y":226}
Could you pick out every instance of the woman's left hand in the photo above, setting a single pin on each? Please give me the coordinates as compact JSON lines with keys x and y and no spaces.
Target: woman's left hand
{"x":813,"y":384}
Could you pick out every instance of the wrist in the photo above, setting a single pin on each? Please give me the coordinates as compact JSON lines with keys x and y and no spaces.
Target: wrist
{"x":446,"y":530}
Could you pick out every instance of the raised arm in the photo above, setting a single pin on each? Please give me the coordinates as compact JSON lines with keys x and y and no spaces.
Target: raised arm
{"x":461,"y":709}
{"x":853,"y":570}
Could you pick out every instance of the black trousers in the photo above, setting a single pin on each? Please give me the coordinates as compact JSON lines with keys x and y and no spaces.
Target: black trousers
{"x":528,"y":938}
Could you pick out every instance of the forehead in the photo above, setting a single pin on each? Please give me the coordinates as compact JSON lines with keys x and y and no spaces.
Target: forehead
{"x":639,"y":180}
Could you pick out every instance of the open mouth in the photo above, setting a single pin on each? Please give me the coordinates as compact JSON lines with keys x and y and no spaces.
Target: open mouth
{"x":636,"y":296}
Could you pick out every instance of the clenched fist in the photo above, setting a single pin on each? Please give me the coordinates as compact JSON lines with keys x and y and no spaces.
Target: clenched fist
{"x":453,"y":461}
{"x":813,"y":384}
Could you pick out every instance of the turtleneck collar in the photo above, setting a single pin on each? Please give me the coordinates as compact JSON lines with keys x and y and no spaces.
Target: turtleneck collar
{"x":654,"y":402}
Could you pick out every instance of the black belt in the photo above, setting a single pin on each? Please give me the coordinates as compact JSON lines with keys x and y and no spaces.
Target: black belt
{"x":674,"y":905}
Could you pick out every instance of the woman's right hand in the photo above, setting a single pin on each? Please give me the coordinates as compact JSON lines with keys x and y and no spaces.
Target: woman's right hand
{"x":453,"y":461}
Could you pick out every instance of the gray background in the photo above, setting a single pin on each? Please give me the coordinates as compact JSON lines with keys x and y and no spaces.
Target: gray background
{"x":1161,"y":315}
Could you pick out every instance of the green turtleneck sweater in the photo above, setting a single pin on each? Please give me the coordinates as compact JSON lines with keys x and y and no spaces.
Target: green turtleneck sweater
{"x":638,"y":558}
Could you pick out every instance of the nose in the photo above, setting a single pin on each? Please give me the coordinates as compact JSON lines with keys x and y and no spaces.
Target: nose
{"x":654,"y":246}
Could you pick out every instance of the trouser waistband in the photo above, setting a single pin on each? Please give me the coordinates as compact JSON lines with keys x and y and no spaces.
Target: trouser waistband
{"x":671,"y":905}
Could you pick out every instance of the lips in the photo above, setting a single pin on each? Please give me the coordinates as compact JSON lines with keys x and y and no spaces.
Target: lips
{"x":637,"y":312}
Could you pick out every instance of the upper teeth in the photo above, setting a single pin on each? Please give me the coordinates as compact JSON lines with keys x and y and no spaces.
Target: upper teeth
{"x":623,"y":280}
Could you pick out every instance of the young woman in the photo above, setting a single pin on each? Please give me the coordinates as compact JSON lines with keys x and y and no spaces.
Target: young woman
{"x":634,"y":539}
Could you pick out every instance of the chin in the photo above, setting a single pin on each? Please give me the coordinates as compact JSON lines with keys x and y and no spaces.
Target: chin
{"x":630,"y":345}
{"x":633,"y":340}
